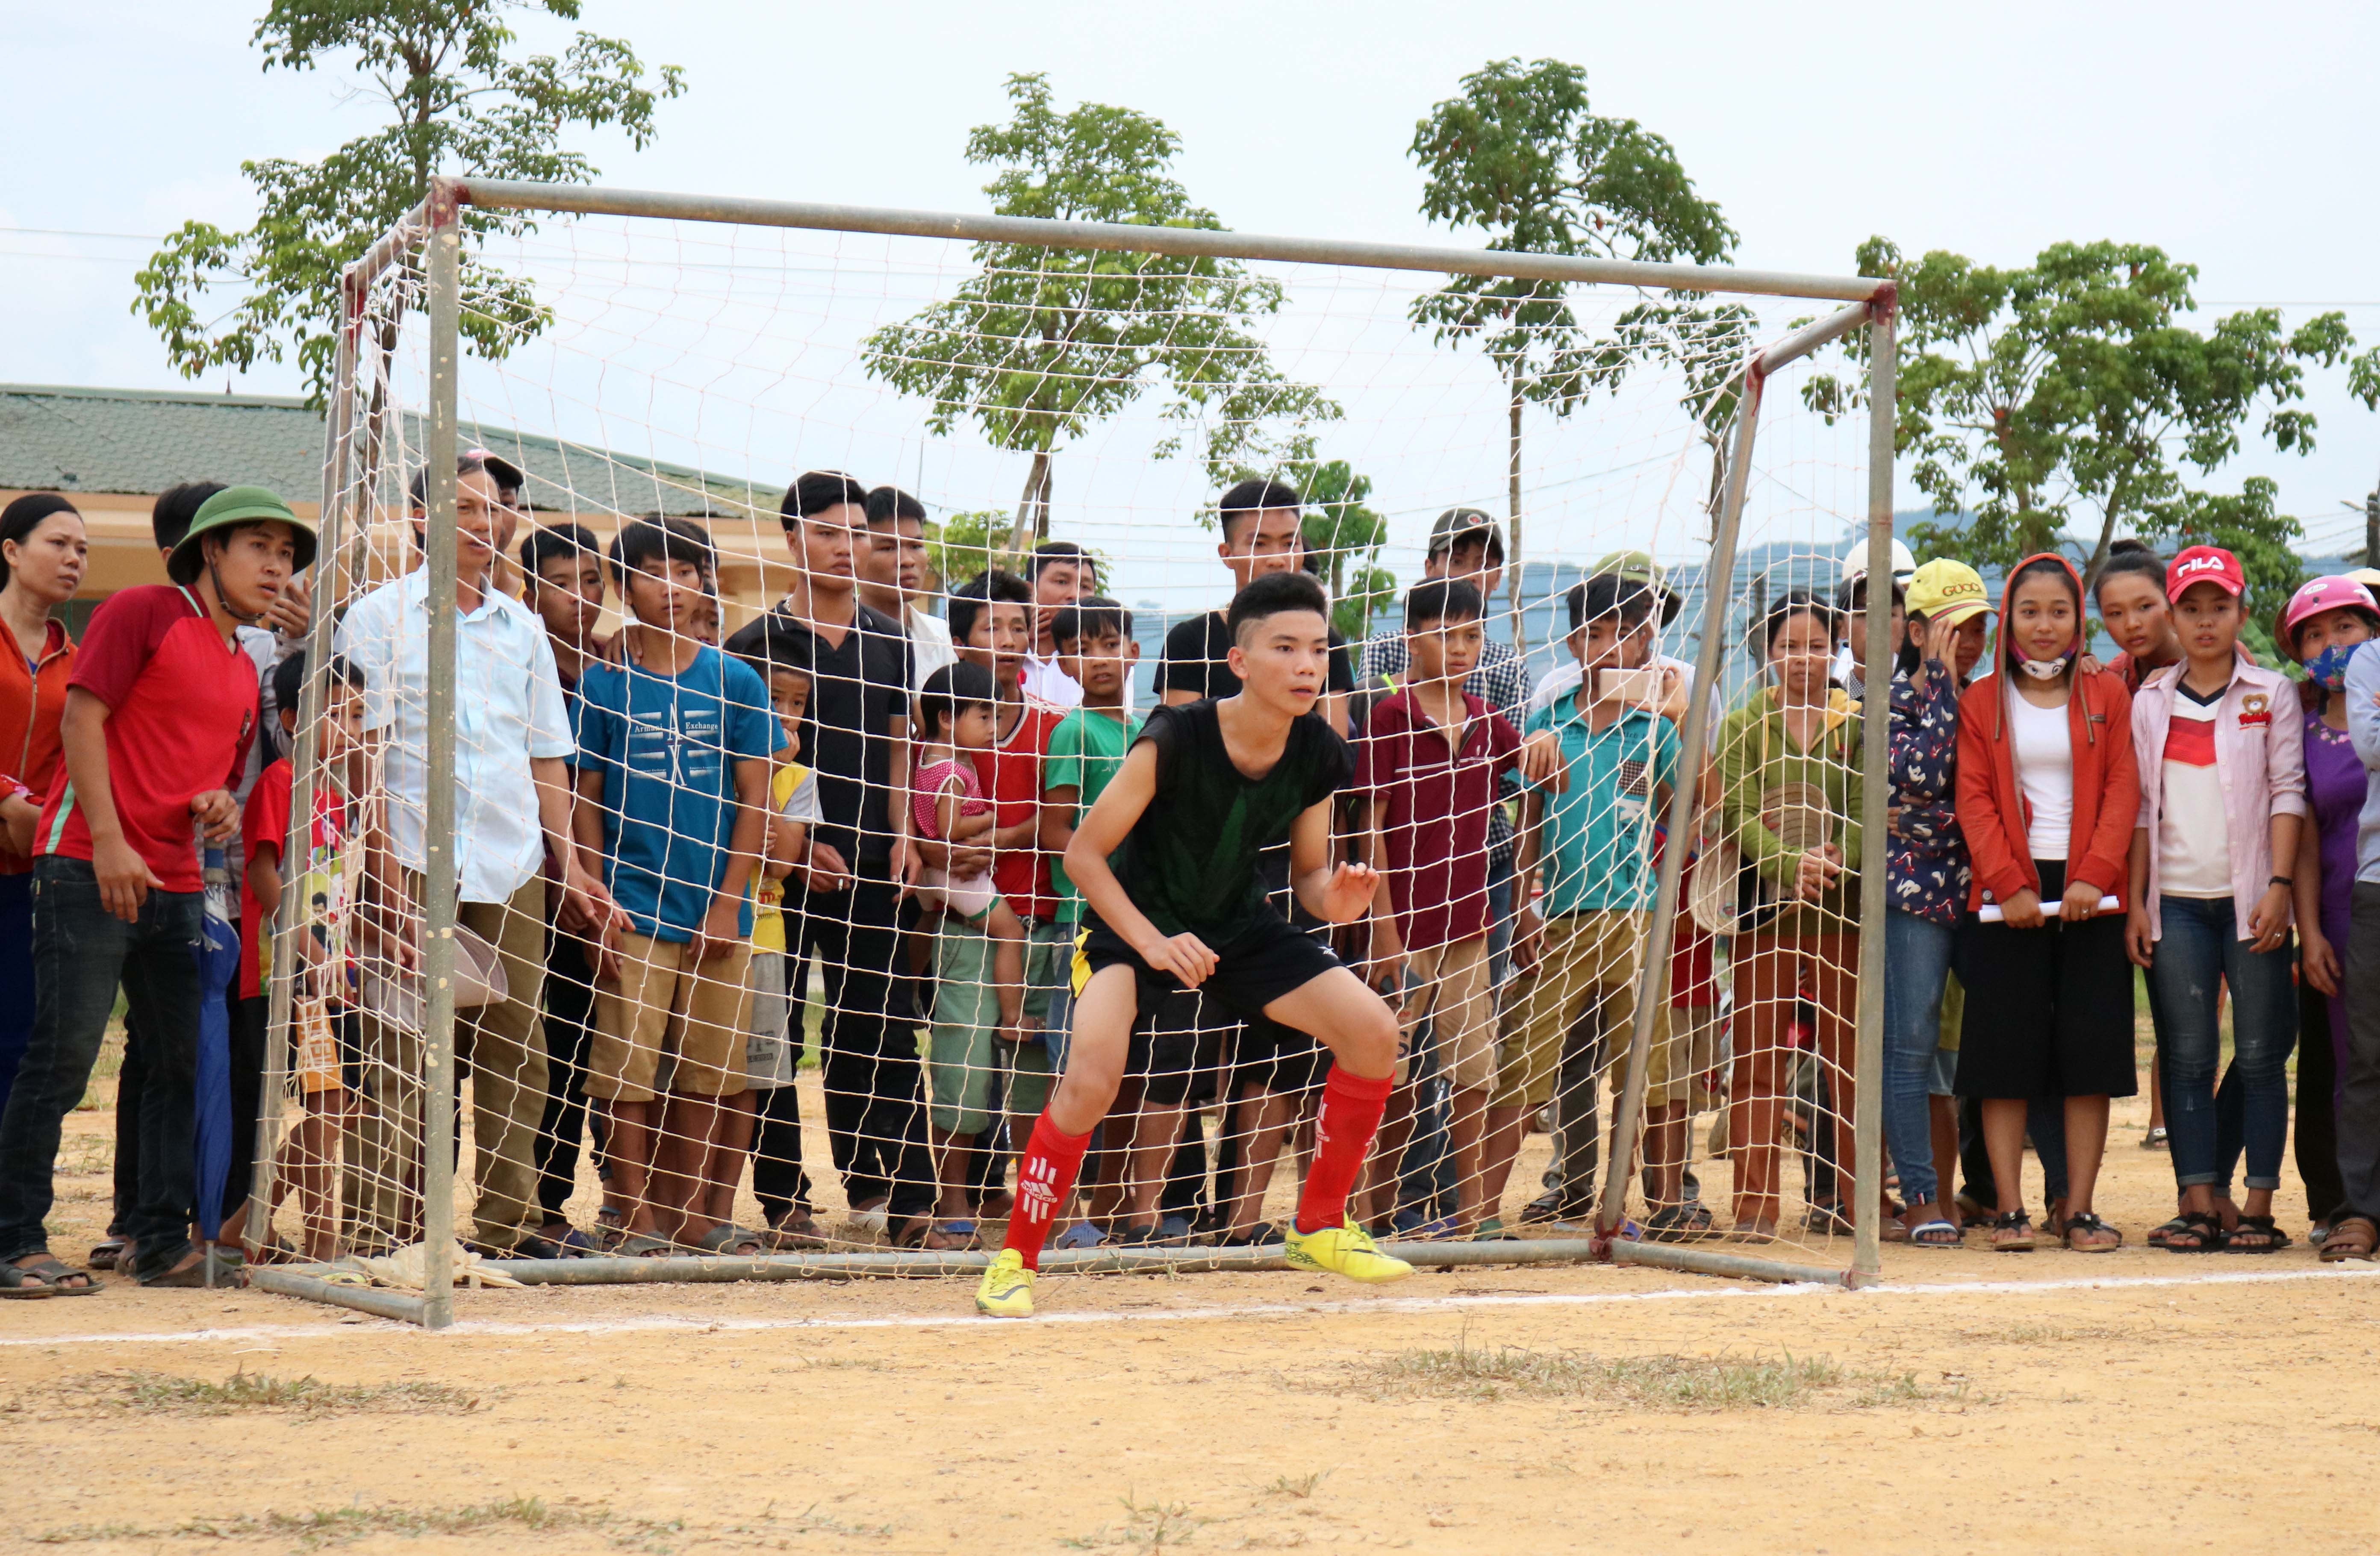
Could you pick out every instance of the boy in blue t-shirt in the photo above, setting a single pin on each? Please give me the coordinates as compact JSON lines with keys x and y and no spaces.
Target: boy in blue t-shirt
{"x":675,"y":743}
{"x":1591,"y":843}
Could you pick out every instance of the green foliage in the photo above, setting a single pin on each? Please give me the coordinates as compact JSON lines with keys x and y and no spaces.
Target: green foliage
{"x":968,"y":543}
{"x":2057,"y":403}
{"x":461,"y":101}
{"x":1340,"y":527}
{"x":1041,"y":343}
{"x":1521,"y":156}
{"x":2246,"y":525}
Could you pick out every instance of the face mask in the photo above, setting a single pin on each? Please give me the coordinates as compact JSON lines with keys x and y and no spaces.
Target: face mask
{"x":2329,"y":667}
{"x":2047,"y":669}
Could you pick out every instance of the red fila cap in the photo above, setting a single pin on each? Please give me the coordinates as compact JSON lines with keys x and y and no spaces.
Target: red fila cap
{"x":2205,"y":564}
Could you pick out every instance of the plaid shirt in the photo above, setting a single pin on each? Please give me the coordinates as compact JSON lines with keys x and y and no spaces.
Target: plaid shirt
{"x":1499,"y":679}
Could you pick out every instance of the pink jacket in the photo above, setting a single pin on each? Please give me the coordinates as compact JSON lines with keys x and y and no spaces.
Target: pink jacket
{"x":2260,"y":755}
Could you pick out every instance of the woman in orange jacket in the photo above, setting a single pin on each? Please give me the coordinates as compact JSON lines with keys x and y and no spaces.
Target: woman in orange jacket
{"x":42,"y":554}
{"x":2048,"y":790}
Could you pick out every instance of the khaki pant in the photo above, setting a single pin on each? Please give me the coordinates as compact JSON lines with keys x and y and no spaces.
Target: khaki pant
{"x":505,"y":1051}
{"x":1574,"y":1013}
{"x":1457,"y":1000}
{"x":663,"y":998}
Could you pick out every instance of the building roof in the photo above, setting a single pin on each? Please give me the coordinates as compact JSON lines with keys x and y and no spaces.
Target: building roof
{"x":63,"y":437}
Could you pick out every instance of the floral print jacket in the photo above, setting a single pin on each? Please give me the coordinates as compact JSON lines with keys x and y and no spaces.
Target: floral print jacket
{"x":1925,"y":866}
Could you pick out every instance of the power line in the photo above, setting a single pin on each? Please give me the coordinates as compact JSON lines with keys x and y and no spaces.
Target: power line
{"x":72,"y":232}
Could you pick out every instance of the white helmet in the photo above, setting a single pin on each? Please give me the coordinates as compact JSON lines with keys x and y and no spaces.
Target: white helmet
{"x":1904,"y":562}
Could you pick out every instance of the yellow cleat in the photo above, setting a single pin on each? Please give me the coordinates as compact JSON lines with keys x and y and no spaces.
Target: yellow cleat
{"x":1007,"y":1288}
{"x":1344,"y":1250}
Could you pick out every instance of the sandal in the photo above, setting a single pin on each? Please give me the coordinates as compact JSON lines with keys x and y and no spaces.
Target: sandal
{"x":912,"y":1233}
{"x":103,"y":1255}
{"x":31,"y":1282}
{"x":2158,"y":1235}
{"x":730,"y":1239}
{"x":642,"y":1244}
{"x":2156,"y":1139}
{"x":193,"y":1276}
{"x":2350,"y":1238}
{"x":1679,"y":1223}
{"x":1827,"y":1220}
{"x":2013,"y":1234}
{"x":950,"y":1237}
{"x":1935,"y":1234}
{"x":2087,"y":1223}
{"x":796,"y":1231}
{"x":2262,"y":1236}
{"x":2199,"y":1233}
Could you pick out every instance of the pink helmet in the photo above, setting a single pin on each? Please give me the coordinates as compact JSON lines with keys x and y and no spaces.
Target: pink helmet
{"x":2315,"y":597}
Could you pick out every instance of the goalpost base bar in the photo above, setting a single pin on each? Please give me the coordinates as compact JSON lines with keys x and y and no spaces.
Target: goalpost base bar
{"x":1701,"y":1261}
{"x":300,"y":1280}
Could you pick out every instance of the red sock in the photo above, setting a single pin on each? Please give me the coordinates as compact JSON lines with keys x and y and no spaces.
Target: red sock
{"x":1044,"y":1180}
{"x":1344,"y":1128}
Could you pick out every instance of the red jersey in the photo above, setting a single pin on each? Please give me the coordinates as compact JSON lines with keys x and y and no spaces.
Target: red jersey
{"x":1011,"y":776}
{"x":1433,"y":805}
{"x":181,"y":709}
{"x":32,"y":696}
{"x":265,"y":824}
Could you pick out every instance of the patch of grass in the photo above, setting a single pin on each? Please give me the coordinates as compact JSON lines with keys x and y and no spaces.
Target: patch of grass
{"x":1298,"y":1486}
{"x":1148,"y":1526}
{"x":85,"y":1156}
{"x":338,"y":1526}
{"x":2049,"y":1335}
{"x":1657,"y":1382}
{"x":162,"y":1393}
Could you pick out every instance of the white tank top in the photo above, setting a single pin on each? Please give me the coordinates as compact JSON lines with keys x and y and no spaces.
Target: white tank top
{"x":2044,"y":769}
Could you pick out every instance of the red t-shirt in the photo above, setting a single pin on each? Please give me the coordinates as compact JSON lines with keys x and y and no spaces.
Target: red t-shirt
{"x":265,"y":824}
{"x":1011,"y":776}
{"x":1433,"y":814}
{"x":181,"y":709}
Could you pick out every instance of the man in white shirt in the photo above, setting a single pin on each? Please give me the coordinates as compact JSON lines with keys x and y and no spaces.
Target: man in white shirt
{"x":891,"y":565}
{"x":512,"y":806}
{"x":1063,"y":573}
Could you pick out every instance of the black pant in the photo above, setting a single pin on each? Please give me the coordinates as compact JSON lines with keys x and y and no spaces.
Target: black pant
{"x":778,"y":1180}
{"x":2359,"y":1089}
{"x":875,"y":1087}
{"x":569,"y":1023}
{"x":2317,"y":1133}
{"x":246,"y":1100}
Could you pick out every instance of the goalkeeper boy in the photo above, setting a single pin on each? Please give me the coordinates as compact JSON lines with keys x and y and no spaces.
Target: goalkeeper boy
{"x":1167,"y":860}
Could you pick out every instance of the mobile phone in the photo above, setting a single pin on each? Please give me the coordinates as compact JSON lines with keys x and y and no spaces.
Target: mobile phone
{"x":1640,"y":687}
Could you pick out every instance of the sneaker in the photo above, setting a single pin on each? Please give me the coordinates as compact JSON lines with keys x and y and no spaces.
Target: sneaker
{"x":1007,"y":1288}
{"x":1344,"y":1250}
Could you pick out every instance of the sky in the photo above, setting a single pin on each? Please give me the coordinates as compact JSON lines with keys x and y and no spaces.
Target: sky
{"x":2236,"y":143}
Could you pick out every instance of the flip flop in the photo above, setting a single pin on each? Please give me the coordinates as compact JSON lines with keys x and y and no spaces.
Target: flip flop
{"x":728,"y":1238}
{"x":1936,"y":1234}
{"x":640,"y":1245}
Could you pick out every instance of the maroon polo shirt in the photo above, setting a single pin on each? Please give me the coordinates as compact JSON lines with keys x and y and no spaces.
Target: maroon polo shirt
{"x":1433,"y":806}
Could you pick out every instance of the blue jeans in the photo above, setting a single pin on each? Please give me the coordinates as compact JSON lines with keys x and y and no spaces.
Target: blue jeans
{"x":80,"y":953}
{"x":1917,"y":961}
{"x":1499,"y":922}
{"x":2199,"y":951}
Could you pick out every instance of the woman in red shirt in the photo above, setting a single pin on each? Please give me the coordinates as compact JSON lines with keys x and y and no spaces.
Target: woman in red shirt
{"x":43,"y":552}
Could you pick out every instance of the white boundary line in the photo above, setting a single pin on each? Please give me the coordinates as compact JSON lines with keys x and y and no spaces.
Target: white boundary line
{"x":661,"y":1324}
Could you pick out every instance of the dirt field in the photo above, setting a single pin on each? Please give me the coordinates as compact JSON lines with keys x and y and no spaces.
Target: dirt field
{"x":1976,"y":1403}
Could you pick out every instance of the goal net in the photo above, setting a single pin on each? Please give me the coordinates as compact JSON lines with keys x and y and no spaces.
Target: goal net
{"x":663,"y":902}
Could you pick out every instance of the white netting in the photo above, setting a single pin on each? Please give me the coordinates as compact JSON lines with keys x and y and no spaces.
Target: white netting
{"x":859,"y":1085}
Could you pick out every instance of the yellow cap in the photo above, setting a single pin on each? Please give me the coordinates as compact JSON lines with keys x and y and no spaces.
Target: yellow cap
{"x":1943,"y":590}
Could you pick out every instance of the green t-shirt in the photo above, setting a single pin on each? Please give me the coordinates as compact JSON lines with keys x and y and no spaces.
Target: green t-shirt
{"x":1191,"y":862}
{"x":1086,"y":751}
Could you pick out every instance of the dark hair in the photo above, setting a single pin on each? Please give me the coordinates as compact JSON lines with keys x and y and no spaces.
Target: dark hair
{"x":1088,"y":617}
{"x":554,"y":542}
{"x":1049,"y":551}
{"x":814,"y":492}
{"x":2126,"y":556}
{"x":1784,"y":608}
{"x":289,"y":679}
{"x":656,"y":540}
{"x":1442,"y":599}
{"x":969,"y":599}
{"x":1275,"y":595}
{"x":959,"y":685}
{"x":170,"y":518}
{"x":465,"y":465}
{"x":888,"y":505}
{"x":1255,"y":496}
{"x":1852,"y":594}
{"x":26,"y":514}
{"x":770,"y":665}
{"x":2050,"y":568}
{"x":1609,"y":594}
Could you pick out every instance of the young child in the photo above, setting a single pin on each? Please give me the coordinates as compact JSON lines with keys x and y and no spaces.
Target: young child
{"x":956,"y":725}
{"x":771,"y":1054}
{"x":1426,"y":770}
{"x":2222,"y":799}
{"x":1577,"y":956}
{"x":675,"y":747}
{"x":159,"y":713}
{"x":2049,"y":789}
{"x":328,"y":1063}
{"x":1207,"y":787}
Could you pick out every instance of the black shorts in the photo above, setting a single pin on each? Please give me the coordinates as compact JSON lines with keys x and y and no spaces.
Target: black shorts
{"x":2050,"y":1011}
{"x":1271,"y":1057}
{"x":1252,"y":970}
{"x":1164,"y":1052}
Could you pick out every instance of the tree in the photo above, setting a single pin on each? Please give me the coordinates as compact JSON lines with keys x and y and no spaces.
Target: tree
{"x":1340,"y":528}
{"x":462,"y":103}
{"x":1040,"y":343}
{"x":1521,"y":156}
{"x":2054,"y":404}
